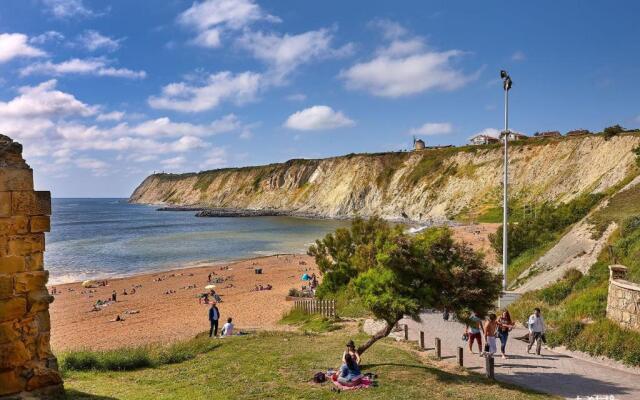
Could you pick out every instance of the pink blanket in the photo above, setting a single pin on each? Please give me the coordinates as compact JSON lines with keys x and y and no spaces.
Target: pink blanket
{"x":365,"y":382}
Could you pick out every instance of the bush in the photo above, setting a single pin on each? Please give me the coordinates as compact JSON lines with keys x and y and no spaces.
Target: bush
{"x":565,"y":333}
{"x":630,"y":225}
{"x":589,"y":303}
{"x":612,"y":131}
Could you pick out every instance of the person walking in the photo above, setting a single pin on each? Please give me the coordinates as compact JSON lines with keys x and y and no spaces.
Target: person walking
{"x":214,"y":316}
{"x":505,"y":325}
{"x":490,"y":329}
{"x":474,"y":332}
{"x":536,"y":330}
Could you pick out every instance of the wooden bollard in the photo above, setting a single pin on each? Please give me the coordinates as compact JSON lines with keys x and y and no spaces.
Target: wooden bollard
{"x":489,"y":367}
{"x":421,"y":340}
{"x":438,"y":348}
{"x":460,"y":356}
{"x":406,"y":332}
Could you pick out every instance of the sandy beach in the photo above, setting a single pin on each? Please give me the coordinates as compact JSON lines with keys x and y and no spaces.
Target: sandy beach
{"x":160,"y":316}
{"x":165,"y":305}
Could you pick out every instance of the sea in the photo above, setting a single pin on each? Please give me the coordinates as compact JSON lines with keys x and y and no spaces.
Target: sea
{"x":107,"y":238}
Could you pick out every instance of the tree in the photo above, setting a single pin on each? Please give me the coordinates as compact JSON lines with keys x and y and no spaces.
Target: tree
{"x":612,"y":131}
{"x":396,"y":274}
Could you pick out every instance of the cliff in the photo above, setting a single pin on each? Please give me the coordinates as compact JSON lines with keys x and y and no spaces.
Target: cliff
{"x":432,"y":184}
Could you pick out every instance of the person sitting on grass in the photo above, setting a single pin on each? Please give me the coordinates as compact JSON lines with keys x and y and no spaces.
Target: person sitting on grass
{"x":349,"y":374}
{"x":351,"y":351}
{"x":227,"y":329}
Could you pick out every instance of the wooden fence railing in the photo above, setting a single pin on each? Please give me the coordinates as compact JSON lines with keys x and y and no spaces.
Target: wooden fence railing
{"x":325,"y":308}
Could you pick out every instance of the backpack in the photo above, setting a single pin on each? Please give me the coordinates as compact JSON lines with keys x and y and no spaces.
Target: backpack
{"x":319,"y":377}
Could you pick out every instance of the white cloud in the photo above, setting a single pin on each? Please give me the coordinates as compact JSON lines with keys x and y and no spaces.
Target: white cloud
{"x":14,"y":45}
{"x":284,"y":53}
{"x":91,"y":66}
{"x":174,"y":162}
{"x":49,"y":36}
{"x":389,"y":29}
{"x":90,"y":163}
{"x":216,"y":157}
{"x":94,"y":40}
{"x":432,"y":129}
{"x":518,"y":56}
{"x":219,"y":87}
{"x":110,"y":116}
{"x":67,"y":8}
{"x":317,"y":118}
{"x":44,"y":100}
{"x":404,"y":67}
{"x":211,"y":17}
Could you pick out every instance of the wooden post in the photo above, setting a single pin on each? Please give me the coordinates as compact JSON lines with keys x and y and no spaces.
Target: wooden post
{"x":406,"y":332}
{"x":489,"y":367}
{"x":460,"y":356}
{"x":421,"y":340}
{"x":438,"y":348}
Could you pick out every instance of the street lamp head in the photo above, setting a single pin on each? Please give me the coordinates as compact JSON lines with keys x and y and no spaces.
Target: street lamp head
{"x":506,"y":80}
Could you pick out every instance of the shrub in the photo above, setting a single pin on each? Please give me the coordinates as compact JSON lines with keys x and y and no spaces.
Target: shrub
{"x":565,"y":333}
{"x":612,"y":131}
{"x":630,"y":225}
{"x":589,"y":303}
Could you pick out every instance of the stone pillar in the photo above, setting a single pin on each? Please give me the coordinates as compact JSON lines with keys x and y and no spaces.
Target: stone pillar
{"x":617,"y":272}
{"x":27,"y":366}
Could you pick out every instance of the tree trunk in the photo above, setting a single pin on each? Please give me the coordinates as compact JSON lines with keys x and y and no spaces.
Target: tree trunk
{"x":383,"y":333}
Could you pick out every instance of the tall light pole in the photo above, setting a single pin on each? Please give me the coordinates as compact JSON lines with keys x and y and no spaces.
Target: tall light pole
{"x":506,"y":84}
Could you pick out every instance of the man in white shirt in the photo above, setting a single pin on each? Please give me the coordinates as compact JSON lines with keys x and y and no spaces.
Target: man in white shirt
{"x":536,"y":331}
{"x":227,"y":329}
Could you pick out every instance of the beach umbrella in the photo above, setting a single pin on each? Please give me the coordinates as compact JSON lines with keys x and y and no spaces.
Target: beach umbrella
{"x":306,"y":277}
{"x":88,"y":284}
{"x":210,"y":287}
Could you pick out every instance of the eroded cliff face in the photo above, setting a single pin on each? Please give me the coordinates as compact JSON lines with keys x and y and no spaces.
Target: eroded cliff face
{"x":421,"y":186}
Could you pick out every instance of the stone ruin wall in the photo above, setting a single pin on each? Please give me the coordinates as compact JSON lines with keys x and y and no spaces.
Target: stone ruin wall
{"x":27,"y":366}
{"x":623,"y":302}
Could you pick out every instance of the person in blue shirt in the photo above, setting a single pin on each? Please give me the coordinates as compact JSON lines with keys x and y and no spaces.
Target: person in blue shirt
{"x":214,"y":316}
{"x":349,"y":373}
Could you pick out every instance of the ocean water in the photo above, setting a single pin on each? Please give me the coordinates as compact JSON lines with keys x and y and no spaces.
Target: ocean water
{"x":92,"y":238}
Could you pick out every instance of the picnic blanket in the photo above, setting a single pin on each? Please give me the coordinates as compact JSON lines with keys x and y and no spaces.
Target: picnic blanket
{"x":365,"y":382}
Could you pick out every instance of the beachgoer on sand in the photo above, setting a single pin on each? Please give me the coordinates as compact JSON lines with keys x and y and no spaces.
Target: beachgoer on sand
{"x":114,"y":296}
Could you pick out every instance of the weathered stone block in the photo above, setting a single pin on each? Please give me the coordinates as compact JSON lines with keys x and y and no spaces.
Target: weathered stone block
{"x":6,"y":286}
{"x":4,"y":249}
{"x":43,"y":377}
{"x":34,"y":262}
{"x":44,"y":349}
{"x":5,"y":204}
{"x":43,"y":321}
{"x":30,"y":281}
{"x":15,"y":225}
{"x":39,"y":300}
{"x":16,"y":179}
{"x":23,"y":245}
{"x":10,"y":382}
{"x":31,"y":203}
{"x":39,"y":223}
{"x":13,"y":308}
{"x":9,"y":264}
{"x":8,"y":332}
{"x":13,"y":354}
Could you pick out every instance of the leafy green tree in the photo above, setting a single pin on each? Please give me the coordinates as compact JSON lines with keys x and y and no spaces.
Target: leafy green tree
{"x":396,"y":274}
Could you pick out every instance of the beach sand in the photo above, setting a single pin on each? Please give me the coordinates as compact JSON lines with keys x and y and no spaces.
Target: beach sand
{"x":164,"y":318}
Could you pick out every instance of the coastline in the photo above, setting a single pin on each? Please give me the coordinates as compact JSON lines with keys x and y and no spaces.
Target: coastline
{"x":165,"y":307}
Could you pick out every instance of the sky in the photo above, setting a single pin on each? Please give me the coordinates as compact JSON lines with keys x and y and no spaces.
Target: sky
{"x":103,"y":93}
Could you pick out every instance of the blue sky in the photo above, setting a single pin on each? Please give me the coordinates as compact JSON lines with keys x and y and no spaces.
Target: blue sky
{"x":103,"y":93}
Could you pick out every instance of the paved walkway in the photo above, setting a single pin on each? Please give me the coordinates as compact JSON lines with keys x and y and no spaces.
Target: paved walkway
{"x":551,"y":372}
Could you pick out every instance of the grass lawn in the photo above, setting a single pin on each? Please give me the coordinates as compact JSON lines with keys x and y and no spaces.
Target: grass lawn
{"x":280,"y":365}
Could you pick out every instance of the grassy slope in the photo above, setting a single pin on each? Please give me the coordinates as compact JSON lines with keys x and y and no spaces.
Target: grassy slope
{"x":280,"y":366}
{"x":576,"y":308}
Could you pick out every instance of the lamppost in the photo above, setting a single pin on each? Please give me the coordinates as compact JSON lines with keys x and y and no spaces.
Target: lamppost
{"x":506,"y":84}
